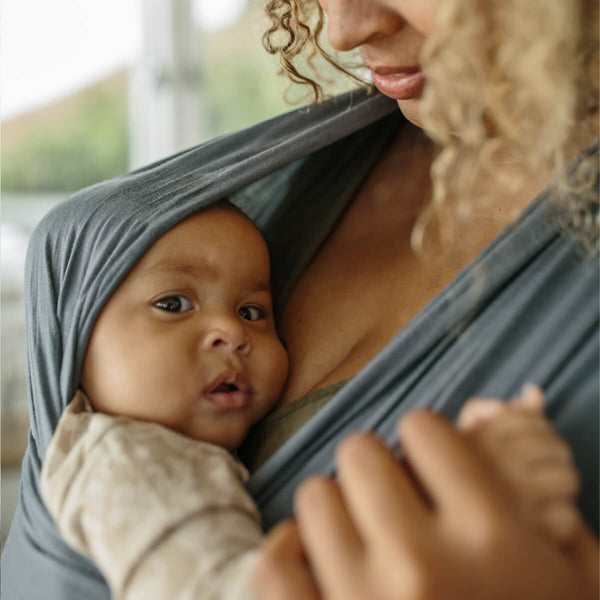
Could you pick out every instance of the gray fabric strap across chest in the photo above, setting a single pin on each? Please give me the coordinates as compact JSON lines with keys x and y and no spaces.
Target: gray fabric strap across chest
{"x":526,"y":311}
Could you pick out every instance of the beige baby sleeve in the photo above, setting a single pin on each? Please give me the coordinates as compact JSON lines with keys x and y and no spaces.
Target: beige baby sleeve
{"x":162,"y":516}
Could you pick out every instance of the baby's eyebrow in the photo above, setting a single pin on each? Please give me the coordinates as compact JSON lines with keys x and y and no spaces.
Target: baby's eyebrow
{"x":201,"y":270}
{"x":260,"y":286}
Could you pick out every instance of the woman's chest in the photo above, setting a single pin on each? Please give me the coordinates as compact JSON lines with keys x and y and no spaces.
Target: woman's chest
{"x":364,"y":286}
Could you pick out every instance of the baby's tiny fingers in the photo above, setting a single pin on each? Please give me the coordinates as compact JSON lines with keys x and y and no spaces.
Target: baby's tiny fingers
{"x":554,"y":480}
{"x":478,"y":410}
{"x":531,"y":399}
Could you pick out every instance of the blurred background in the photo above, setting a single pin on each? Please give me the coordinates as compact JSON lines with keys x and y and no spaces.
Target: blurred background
{"x":90,"y":90}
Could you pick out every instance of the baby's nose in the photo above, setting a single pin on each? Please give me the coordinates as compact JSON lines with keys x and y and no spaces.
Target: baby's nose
{"x":227,"y":335}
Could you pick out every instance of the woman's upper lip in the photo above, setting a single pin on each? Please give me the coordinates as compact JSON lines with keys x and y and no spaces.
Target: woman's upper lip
{"x":385,"y":70}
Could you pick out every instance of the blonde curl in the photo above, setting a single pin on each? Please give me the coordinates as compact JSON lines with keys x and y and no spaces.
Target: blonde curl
{"x":508,"y":82}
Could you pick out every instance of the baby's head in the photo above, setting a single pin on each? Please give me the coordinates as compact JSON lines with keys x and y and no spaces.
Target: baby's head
{"x":188,"y":338}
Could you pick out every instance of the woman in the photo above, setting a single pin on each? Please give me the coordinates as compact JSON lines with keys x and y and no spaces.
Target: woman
{"x":506,"y":121}
{"x":337,"y":189}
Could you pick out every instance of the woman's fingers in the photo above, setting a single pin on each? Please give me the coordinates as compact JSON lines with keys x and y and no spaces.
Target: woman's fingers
{"x":329,"y":537}
{"x":438,"y":531}
{"x":281,"y":571}
{"x":455,"y":477}
{"x":361,"y":532}
{"x":521,"y":446}
{"x":380,"y":494}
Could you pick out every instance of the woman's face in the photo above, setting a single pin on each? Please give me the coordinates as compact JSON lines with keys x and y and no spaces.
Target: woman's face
{"x":389,"y":35}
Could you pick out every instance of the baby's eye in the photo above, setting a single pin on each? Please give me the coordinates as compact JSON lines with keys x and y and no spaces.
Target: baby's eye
{"x":174,"y":304}
{"x":251,"y":313}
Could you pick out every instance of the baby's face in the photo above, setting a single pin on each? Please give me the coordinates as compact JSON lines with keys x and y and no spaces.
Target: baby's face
{"x":188,"y":339}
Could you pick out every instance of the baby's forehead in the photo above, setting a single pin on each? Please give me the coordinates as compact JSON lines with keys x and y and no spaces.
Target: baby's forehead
{"x":213,"y":224}
{"x":208,"y":243}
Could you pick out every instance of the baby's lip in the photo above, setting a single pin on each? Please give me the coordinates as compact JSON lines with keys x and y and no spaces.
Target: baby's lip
{"x":229,"y":390}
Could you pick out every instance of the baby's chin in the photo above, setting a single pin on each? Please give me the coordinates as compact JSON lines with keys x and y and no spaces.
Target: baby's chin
{"x":229,"y":440}
{"x":230,"y":443}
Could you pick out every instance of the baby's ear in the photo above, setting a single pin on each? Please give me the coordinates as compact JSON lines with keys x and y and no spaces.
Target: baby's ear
{"x":531,"y":399}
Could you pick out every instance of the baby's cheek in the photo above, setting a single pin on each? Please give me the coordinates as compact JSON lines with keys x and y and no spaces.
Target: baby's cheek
{"x":283,"y":368}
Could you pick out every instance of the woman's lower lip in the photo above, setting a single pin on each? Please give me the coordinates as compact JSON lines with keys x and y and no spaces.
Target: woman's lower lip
{"x":400,"y":86}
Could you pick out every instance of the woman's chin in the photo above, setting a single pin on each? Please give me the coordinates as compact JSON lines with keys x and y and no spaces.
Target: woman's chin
{"x":410,"y":109}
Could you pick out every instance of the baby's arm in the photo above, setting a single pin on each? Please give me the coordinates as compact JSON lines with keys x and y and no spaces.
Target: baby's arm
{"x":521,"y":444}
{"x":161,"y":515}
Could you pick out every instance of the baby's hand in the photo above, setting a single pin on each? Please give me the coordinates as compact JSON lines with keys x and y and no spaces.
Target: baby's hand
{"x":519,"y":441}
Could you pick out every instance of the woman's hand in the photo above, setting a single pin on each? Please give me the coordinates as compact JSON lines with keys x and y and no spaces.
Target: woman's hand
{"x":439,"y":526}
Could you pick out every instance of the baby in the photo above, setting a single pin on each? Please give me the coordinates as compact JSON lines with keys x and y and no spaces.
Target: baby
{"x":184,"y":359}
{"x":188,"y":340}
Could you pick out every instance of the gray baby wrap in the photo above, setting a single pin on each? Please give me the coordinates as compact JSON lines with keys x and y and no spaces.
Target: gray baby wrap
{"x":526,"y":310}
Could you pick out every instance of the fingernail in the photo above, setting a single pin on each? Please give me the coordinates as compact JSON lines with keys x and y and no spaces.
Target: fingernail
{"x":532,"y":396}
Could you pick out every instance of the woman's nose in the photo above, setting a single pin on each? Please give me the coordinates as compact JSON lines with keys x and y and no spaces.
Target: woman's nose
{"x":226,"y":335}
{"x":351,"y":23}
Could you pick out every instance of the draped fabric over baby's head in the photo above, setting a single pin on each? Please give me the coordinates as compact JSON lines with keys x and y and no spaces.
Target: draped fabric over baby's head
{"x":83,"y":249}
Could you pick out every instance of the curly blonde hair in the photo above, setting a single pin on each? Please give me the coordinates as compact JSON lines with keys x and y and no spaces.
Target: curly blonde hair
{"x":296,"y":33}
{"x":505,"y":78}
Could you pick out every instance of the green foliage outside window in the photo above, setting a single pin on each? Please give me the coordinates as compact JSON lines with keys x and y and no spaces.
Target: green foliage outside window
{"x":85,"y":138}
{"x":84,"y":142}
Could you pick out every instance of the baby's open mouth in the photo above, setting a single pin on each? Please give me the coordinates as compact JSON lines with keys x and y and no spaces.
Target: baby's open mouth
{"x":224,"y":388}
{"x":229,"y":390}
